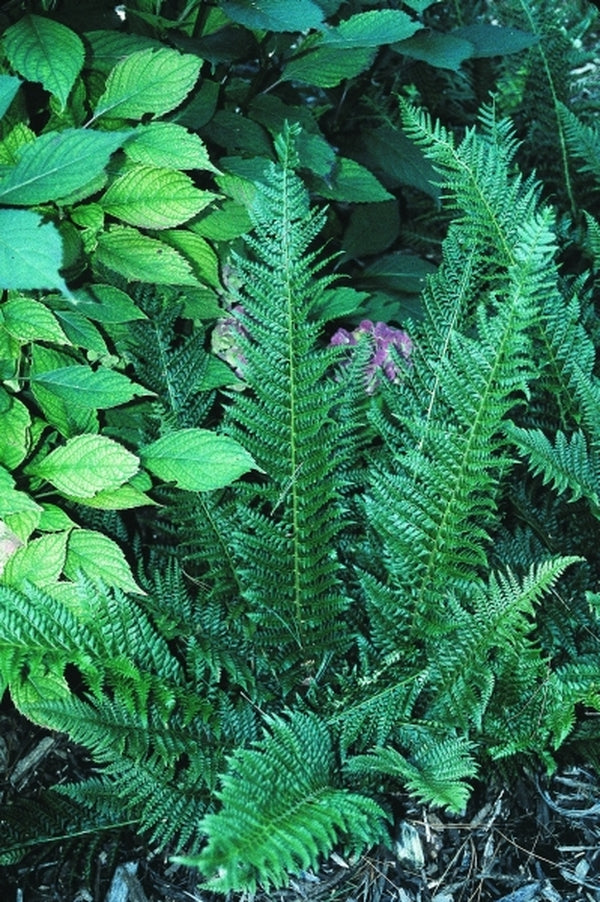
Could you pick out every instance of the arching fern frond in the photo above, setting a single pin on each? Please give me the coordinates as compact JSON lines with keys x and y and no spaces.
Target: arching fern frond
{"x":567,"y":465}
{"x":435,"y":772}
{"x":282,"y":809}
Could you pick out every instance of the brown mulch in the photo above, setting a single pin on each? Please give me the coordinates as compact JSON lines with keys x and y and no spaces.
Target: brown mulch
{"x":538,"y":842}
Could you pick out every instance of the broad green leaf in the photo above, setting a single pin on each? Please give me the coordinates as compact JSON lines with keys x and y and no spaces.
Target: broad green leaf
{"x":372,"y":228}
{"x":15,"y":426}
{"x":89,"y":216}
{"x":126,"y":497}
{"x":86,"y":465}
{"x":106,"y":304}
{"x":196,"y":459}
{"x":30,"y":252}
{"x":98,"y":557}
{"x":338,"y":302}
{"x":202,"y":256}
{"x":97,"y":389}
{"x":44,"y":50}
{"x":58,"y":163}
{"x":495,"y":40}
{"x":24,"y":523}
{"x":239,"y":134}
{"x":355,"y":183}
{"x":54,"y":519}
{"x":154,"y":198}
{"x":405,"y":272}
{"x":372,"y":29}
{"x":389,"y":150}
{"x":327,"y":66}
{"x":29,"y":320}
{"x":273,"y":15}
{"x":12,"y":501}
{"x":419,"y":6}
{"x":9,"y":85}
{"x":10,"y":355}
{"x":40,"y":561}
{"x":139,"y":258}
{"x":168,"y":145}
{"x":109,"y":47}
{"x":315,"y":154}
{"x":81,"y":332}
{"x":229,"y":220}
{"x":69,"y":419}
{"x":148,"y":81}
{"x":445,"y":51}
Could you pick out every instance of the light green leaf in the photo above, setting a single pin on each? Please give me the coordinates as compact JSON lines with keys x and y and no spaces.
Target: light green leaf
{"x":148,"y":81}
{"x":168,"y":145}
{"x":196,"y":459}
{"x":85,"y":465}
{"x":58,"y":163}
{"x":15,"y":424}
{"x":54,"y":519}
{"x":44,"y":50}
{"x":202,"y":256}
{"x":81,"y":332}
{"x":12,"y":501}
{"x":30,"y":252}
{"x":125,"y":497}
{"x":98,"y":557}
{"x":29,"y":320}
{"x":139,"y":258}
{"x":97,"y":389}
{"x":372,"y":29}
{"x":106,"y":304}
{"x":327,"y":66}
{"x":273,"y":15}
{"x":9,"y":85}
{"x":355,"y":183}
{"x":69,"y":419}
{"x":40,"y":561}
{"x":229,"y":221}
{"x":154,"y":198}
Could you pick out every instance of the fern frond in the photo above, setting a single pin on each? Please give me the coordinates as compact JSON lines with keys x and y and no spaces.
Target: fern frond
{"x":282,"y":810}
{"x":567,"y":465}
{"x":287,"y":526}
{"x":582,"y":140}
{"x":169,"y":362}
{"x":29,"y":823}
{"x":435,"y":773}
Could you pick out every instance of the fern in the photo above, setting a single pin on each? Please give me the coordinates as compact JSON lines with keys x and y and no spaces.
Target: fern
{"x":435,"y":773}
{"x":260,"y":837}
{"x":566,"y":465}
{"x":287,"y":526}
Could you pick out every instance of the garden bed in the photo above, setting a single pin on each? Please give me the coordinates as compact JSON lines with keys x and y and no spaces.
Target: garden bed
{"x":540,"y":840}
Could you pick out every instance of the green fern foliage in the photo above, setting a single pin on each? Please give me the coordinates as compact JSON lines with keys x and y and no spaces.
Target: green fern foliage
{"x":288,"y":525}
{"x":282,"y":809}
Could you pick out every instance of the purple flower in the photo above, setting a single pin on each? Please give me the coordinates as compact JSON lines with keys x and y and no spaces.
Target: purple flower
{"x":383,"y":338}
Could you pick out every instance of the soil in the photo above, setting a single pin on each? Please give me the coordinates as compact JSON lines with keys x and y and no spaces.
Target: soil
{"x":538,"y":840}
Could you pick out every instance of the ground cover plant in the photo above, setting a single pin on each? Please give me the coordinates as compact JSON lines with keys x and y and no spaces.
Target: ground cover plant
{"x":299,"y":416}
